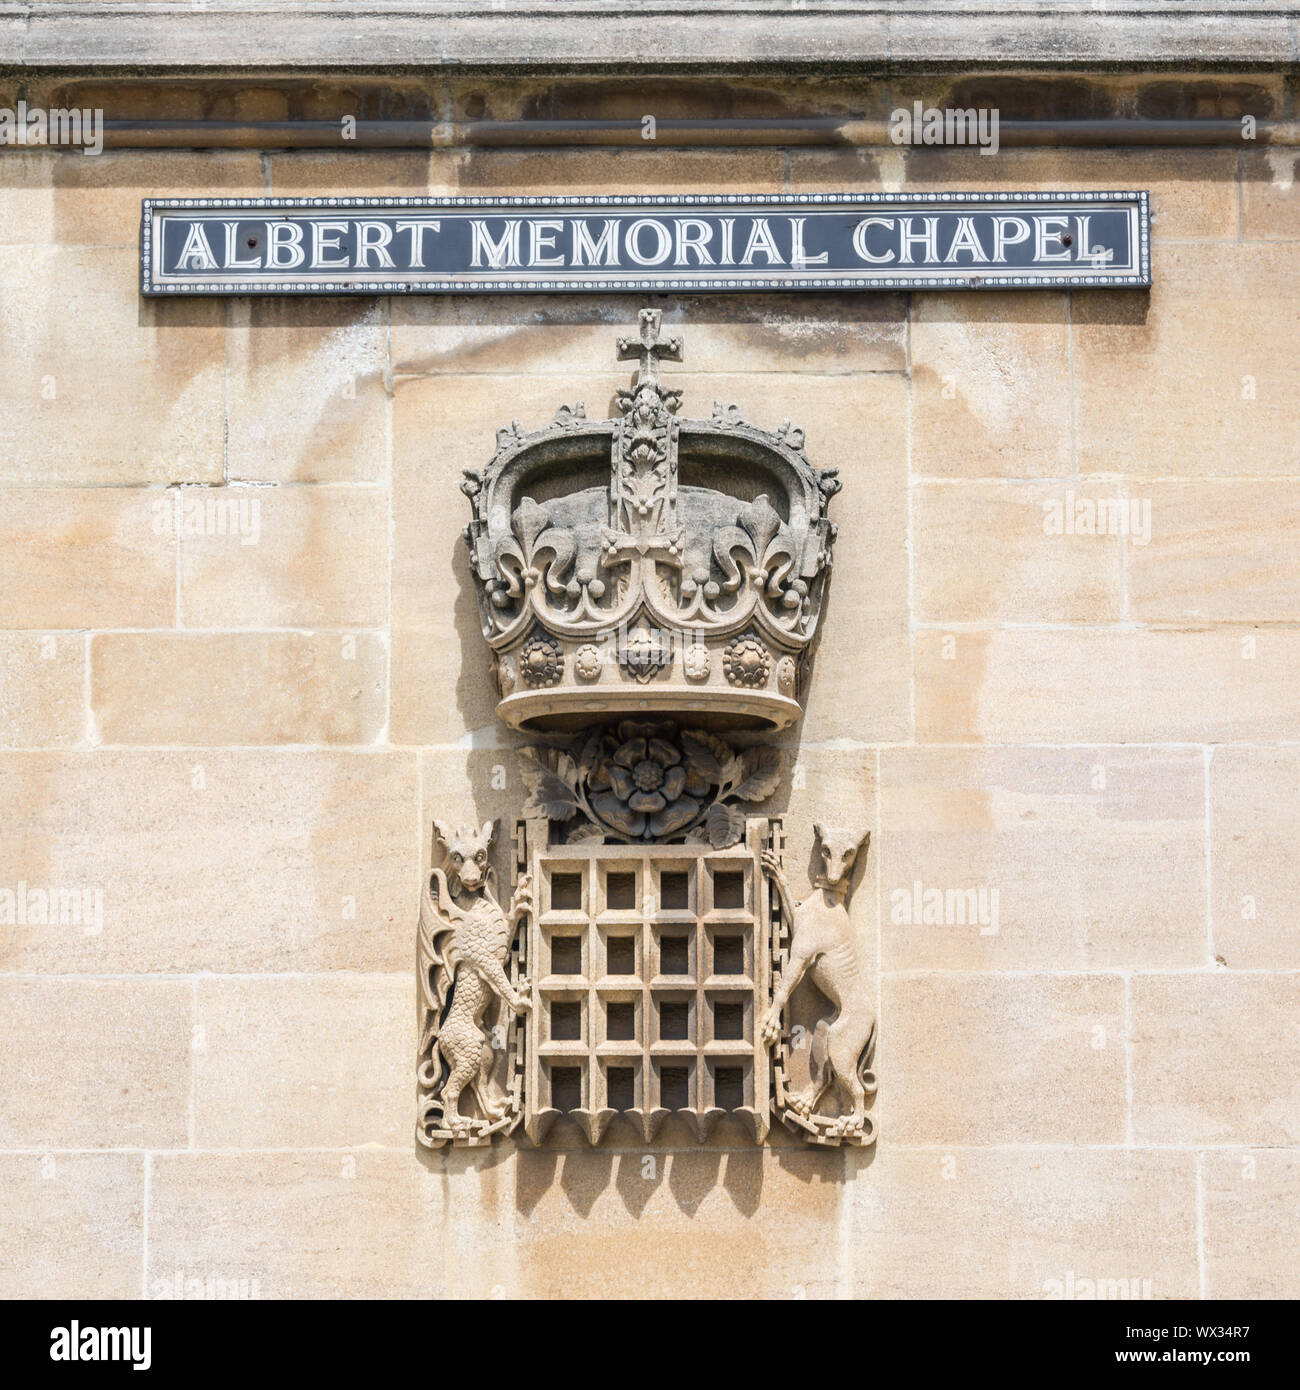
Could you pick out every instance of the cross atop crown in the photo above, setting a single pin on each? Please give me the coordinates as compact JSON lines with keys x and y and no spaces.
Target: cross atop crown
{"x":649,"y":347}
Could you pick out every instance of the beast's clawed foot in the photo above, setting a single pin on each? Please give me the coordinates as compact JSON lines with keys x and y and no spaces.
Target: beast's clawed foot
{"x":802,"y":1103}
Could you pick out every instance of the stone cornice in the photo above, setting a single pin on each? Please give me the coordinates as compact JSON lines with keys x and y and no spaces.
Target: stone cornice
{"x":207,"y":35}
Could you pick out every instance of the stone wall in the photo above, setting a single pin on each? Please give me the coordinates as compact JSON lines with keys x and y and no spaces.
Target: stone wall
{"x":238,"y":742}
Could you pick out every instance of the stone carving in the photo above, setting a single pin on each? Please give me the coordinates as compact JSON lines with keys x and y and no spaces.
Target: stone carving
{"x":591,"y":531}
{"x":696,"y":662}
{"x":794,"y":438}
{"x":465,"y":938}
{"x":587,"y":662}
{"x":652,"y":968}
{"x":644,"y":583}
{"x":649,"y":781}
{"x":506,"y":674}
{"x":542,"y":660}
{"x":746,"y":660}
{"x":823,"y":947}
{"x":568,"y":416}
{"x":644,"y":652}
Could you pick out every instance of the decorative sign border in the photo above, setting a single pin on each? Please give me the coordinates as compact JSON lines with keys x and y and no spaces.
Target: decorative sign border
{"x":1135,"y":273}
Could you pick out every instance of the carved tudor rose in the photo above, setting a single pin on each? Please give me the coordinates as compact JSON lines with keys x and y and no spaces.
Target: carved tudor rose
{"x":651,"y":969}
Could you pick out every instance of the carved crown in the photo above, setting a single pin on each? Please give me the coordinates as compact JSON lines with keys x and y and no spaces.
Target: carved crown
{"x":650,"y":563}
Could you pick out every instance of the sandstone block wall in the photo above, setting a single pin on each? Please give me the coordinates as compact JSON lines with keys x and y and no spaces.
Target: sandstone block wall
{"x":236,"y":739}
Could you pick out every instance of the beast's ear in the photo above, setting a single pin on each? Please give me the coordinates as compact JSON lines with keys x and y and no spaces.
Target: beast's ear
{"x":443,"y":832}
{"x":489,"y":832}
{"x":865,"y":842}
{"x":818,"y":831}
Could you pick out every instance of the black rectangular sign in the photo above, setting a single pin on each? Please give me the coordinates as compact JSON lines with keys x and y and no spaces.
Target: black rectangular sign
{"x":722,"y":242}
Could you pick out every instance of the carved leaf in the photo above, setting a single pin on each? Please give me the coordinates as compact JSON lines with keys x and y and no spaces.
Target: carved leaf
{"x":549,"y":794}
{"x":705,"y":753}
{"x":762,"y":773}
{"x":791,"y":436}
{"x":589,"y":752}
{"x":584,"y":832}
{"x":567,"y":416}
{"x":725,"y":826}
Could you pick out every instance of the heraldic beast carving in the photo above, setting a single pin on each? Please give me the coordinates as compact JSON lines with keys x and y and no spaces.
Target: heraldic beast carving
{"x":823,"y":947}
{"x":464,"y":945}
{"x":647,"y":585}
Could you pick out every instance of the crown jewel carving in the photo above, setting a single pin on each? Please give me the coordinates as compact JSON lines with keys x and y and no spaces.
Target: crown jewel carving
{"x":648,"y":563}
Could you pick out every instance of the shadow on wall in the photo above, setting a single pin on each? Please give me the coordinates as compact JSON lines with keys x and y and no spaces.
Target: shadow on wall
{"x":795,"y":321}
{"x":690,"y":1175}
{"x":476,"y":694}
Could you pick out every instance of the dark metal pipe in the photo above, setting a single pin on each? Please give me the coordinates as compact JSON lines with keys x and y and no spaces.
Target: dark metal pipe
{"x":827,"y":132}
